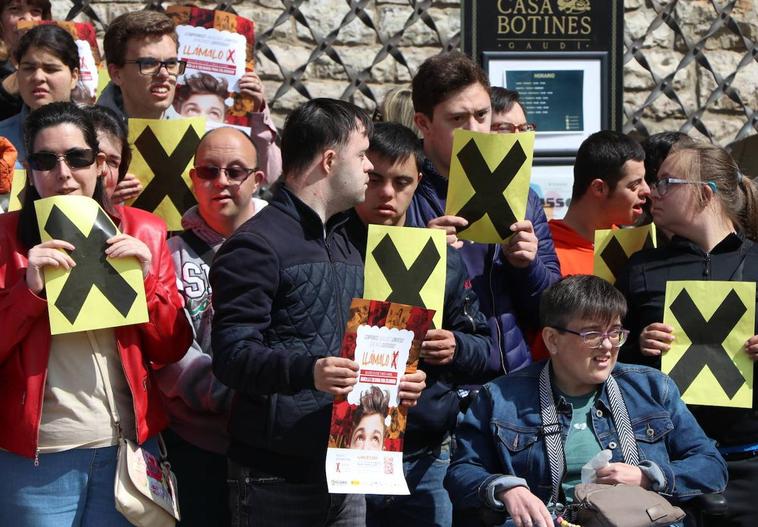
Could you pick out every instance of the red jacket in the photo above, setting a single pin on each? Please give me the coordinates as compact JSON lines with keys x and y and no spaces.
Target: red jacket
{"x":25,"y":330}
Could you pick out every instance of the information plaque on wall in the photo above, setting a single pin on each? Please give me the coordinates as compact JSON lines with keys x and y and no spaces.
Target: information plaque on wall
{"x":564,"y":57}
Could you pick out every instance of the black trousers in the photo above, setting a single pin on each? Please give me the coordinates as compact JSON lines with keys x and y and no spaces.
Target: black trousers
{"x":741,"y":494}
{"x":202,"y":482}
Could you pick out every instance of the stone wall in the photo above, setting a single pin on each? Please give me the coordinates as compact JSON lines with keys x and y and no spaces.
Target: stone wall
{"x":361,"y":48}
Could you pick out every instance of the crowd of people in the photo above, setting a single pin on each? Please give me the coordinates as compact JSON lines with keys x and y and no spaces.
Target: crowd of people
{"x":239,"y":362}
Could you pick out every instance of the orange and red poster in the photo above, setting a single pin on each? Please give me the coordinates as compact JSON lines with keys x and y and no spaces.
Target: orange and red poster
{"x":218,"y":49}
{"x":365,"y":454}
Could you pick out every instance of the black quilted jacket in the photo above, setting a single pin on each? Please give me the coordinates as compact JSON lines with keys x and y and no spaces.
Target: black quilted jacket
{"x":282,"y":286}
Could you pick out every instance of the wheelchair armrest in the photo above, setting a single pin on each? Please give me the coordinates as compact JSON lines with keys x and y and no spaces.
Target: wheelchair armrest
{"x":710,"y":504}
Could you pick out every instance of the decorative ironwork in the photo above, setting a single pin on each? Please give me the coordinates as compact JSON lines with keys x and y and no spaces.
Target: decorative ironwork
{"x":419,"y":11}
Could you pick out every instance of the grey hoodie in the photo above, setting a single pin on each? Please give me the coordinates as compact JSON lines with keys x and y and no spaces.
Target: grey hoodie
{"x":197,"y":402}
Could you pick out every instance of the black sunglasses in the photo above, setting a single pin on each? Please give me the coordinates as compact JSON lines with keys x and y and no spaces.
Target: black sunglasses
{"x":74,"y":158}
{"x":236,"y":174}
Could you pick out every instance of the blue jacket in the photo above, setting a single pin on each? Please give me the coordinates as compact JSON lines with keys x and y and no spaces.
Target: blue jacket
{"x":436,"y":411}
{"x":501,"y":435}
{"x":282,"y":286}
{"x":509,"y":296}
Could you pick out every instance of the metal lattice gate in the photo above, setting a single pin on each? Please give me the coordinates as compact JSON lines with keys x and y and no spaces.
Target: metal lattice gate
{"x":664,"y":95}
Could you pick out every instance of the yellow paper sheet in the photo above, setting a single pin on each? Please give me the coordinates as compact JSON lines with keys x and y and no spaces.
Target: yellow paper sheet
{"x":613,"y":247}
{"x":103,"y":78}
{"x":718,"y":318}
{"x":162,"y":155}
{"x":17,"y":186}
{"x":97,"y":293}
{"x":489,"y":182}
{"x":406,"y":265}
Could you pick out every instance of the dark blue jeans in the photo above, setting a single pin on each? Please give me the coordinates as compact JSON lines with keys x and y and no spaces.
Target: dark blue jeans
{"x":428,"y":502}
{"x":261,"y":500}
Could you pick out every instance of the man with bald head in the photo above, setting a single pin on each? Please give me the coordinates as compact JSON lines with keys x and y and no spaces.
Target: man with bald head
{"x":224,"y":178}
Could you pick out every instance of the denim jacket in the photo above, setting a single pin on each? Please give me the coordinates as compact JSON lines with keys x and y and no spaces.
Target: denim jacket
{"x":500,"y":445}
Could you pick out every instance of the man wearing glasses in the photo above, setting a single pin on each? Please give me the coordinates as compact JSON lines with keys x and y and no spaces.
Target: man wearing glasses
{"x":224,"y":179}
{"x":508,"y":116}
{"x":525,"y":439}
{"x":609,"y":190}
{"x":141,"y":50}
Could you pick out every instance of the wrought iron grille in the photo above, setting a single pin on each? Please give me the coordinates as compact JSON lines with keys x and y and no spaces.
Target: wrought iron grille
{"x":662,"y":88}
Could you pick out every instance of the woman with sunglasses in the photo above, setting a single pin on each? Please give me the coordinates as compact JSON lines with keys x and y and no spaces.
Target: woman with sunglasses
{"x":711,"y":209}
{"x":57,"y":435}
{"x":48,"y":71}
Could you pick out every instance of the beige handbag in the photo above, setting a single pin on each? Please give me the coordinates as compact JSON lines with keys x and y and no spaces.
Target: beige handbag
{"x":145,"y":488}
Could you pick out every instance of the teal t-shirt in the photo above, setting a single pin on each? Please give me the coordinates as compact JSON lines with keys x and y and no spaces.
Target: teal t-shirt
{"x":581,"y":443}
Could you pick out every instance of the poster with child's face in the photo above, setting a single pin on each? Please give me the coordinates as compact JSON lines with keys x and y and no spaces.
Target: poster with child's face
{"x":218,"y":49}
{"x":366,"y":436}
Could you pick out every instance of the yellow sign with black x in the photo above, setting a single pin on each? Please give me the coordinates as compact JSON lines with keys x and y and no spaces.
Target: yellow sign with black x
{"x":406,"y":265}
{"x":98,"y":292}
{"x":614,"y":247}
{"x":712,"y":320}
{"x":163,"y":151}
{"x":18,"y":184}
{"x":489,"y":182}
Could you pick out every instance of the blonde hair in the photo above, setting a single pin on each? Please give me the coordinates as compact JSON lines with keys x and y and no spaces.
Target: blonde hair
{"x":397,"y":107}
{"x":711,"y":164}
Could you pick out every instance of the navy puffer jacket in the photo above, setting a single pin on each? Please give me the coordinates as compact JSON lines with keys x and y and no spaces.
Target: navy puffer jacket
{"x":282,"y":286}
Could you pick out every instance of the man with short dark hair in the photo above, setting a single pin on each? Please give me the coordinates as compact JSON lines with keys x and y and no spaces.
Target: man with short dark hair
{"x":141,"y":51}
{"x":609,"y":190}
{"x":452,"y":355}
{"x":282,"y":287}
{"x":451,"y":91}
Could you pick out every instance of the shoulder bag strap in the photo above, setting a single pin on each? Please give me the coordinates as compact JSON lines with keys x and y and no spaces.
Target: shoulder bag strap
{"x":102,"y":369}
{"x":623,"y":424}
{"x":551,"y":431}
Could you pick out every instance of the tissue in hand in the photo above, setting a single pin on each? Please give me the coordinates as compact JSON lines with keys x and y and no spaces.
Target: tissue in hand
{"x":599,"y":461}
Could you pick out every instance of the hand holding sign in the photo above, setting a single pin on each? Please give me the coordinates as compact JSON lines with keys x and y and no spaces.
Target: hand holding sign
{"x":104,"y":287}
{"x":521,"y":249}
{"x":712,"y":321}
{"x":655,"y":339}
{"x":335,"y":375}
{"x":489,"y":182}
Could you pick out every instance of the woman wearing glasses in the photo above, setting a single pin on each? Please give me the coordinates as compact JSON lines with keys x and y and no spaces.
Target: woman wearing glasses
{"x":57,"y":435}
{"x":525,"y":439}
{"x":48,"y":71}
{"x":711,"y":209}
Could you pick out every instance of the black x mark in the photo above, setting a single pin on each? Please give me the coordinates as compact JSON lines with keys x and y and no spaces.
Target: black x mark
{"x":707,"y":338}
{"x":489,"y":186}
{"x":615,"y":257}
{"x":92,"y":267}
{"x":406,"y":283}
{"x":167,"y":171}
